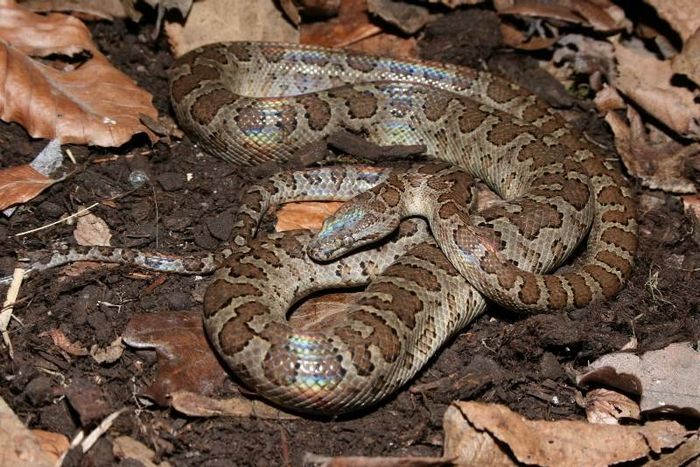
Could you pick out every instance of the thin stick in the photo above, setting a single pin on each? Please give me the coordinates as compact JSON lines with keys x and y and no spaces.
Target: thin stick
{"x":6,"y":313}
{"x":75,"y":214}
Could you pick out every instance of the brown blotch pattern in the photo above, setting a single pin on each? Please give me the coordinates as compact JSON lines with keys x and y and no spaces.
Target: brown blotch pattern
{"x":503,"y":133}
{"x":359,"y":63}
{"x":235,"y":334}
{"x":609,"y":283}
{"x":207,"y":106}
{"x":435,"y":106}
{"x":614,"y":261}
{"x":318,"y":111}
{"x":182,"y":86}
{"x":390,"y":195}
{"x":557,"y":295}
{"x":404,"y":303}
{"x":362,"y":105}
{"x":625,"y":240}
{"x":471,"y":118}
{"x":583,"y":295}
{"x":529,"y":291}
{"x":214,"y":54}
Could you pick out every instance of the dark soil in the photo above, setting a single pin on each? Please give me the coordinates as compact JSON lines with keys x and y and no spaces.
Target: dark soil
{"x":526,"y":364}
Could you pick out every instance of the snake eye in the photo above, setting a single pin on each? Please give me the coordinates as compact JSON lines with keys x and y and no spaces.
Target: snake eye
{"x":347,"y":241}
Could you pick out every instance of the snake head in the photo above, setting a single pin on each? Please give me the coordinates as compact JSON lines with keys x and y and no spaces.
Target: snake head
{"x":351,"y":227}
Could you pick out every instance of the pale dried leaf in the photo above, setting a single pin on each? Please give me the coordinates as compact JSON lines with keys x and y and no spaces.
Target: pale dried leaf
{"x":407,"y":17}
{"x":306,"y":215}
{"x":539,"y":442}
{"x":109,"y":354}
{"x":648,"y":82}
{"x":102,"y":9}
{"x":667,"y":379}
{"x":127,"y":448}
{"x":93,"y":103}
{"x":197,"y":405}
{"x":653,"y":157}
{"x":230,"y":20}
{"x":91,"y":230}
{"x":62,"y":342}
{"x":18,"y":446}
{"x":606,"y":406}
{"x":53,"y":444}
{"x":688,"y":61}
{"x":682,"y":15}
{"x":21,"y":183}
{"x":601,"y":15}
{"x":456,"y":3}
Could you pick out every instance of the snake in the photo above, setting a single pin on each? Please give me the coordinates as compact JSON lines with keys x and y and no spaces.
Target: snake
{"x":255,"y":102}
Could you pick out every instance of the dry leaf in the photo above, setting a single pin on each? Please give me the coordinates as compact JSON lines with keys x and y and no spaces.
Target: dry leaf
{"x":101,"y":9}
{"x":109,"y":354}
{"x":197,"y":405}
{"x":601,"y":15}
{"x":648,"y":81}
{"x":688,"y":61}
{"x":186,"y":362}
{"x":93,"y":103}
{"x":20,"y":184}
{"x":350,"y":26}
{"x":88,"y":400}
{"x":17,"y":444}
{"x":91,"y":230}
{"x":127,"y":448}
{"x":53,"y":444}
{"x":653,"y":157}
{"x":682,"y":15}
{"x":230,"y":20}
{"x":667,"y":380}
{"x":407,"y":17}
{"x":294,"y":9}
{"x":487,"y":434}
{"x":307,"y":215}
{"x":605,"y":406}
{"x":62,"y":342}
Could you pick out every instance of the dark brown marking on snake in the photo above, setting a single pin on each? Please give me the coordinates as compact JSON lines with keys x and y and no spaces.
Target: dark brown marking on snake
{"x":557,"y":294}
{"x":436,"y":106}
{"x":626,"y":241}
{"x":613,"y":260}
{"x":609,"y":283}
{"x":362,"y":105}
{"x":471,"y":118}
{"x":318,"y":111}
{"x":360,"y":63}
{"x":208,"y":105}
{"x":184,"y":85}
{"x":583,"y":295}
{"x":235,"y":334}
{"x":529,"y":292}
{"x":390,"y":195}
{"x":404,"y":303}
{"x":214,"y":54}
{"x":504,"y":133}
{"x":240,"y":51}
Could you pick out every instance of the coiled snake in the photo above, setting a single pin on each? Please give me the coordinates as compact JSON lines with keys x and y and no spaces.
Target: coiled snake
{"x":254,"y":102}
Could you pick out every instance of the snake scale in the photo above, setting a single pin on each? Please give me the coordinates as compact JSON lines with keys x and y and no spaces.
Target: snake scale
{"x":251,"y":103}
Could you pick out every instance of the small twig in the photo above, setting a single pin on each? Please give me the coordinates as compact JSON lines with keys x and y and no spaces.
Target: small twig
{"x":43,"y":227}
{"x":6,"y":313}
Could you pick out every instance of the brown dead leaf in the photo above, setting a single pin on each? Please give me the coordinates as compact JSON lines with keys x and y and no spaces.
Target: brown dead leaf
{"x":185,"y":360}
{"x":601,"y":15}
{"x":93,"y":103}
{"x":648,"y":82}
{"x":21,"y":183}
{"x":91,"y":230}
{"x":295,"y":9}
{"x":230,"y":20}
{"x":197,"y":405}
{"x":606,"y":406}
{"x":480,"y":434}
{"x":62,"y":342}
{"x":682,"y":15}
{"x":100,"y":9}
{"x":653,"y":157}
{"x":53,"y":444}
{"x":127,"y":448}
{"x":88,"y":400}
{"x":350,"y":26}
{"x":667,"y":379}
{"x":688,"y":61}
{"x":18,"y":446}
{"x":306,"y":215}
{"x":409,"y":18}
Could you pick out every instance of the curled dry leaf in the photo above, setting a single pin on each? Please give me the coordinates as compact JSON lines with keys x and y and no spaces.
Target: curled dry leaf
{"x":682,"y":15}
{"x":606,"y":406}
{"x":601,"y":15}
{"x":185,"y":360}
{"x":53,"y":444}
{"x":653,"y":157}
{"x":109,"y":354}
{"x":62,"y":342}
{"x":100,"y":9}
{"x":487,"y":434}
{"x":126,"y":448}
{"x":20,"y":184}
{"x":407,"y":17}
{"x":91,"y":230}
{"x":688,"y":61}
{"x":648,"y":81}
{"x":667,"y":379}
{"x":229,"y":20}
{"x":93,"y":103}
{"x":18,"y":446}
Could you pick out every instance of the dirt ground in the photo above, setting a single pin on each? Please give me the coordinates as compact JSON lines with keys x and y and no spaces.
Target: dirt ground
{"x":522,"y":363}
